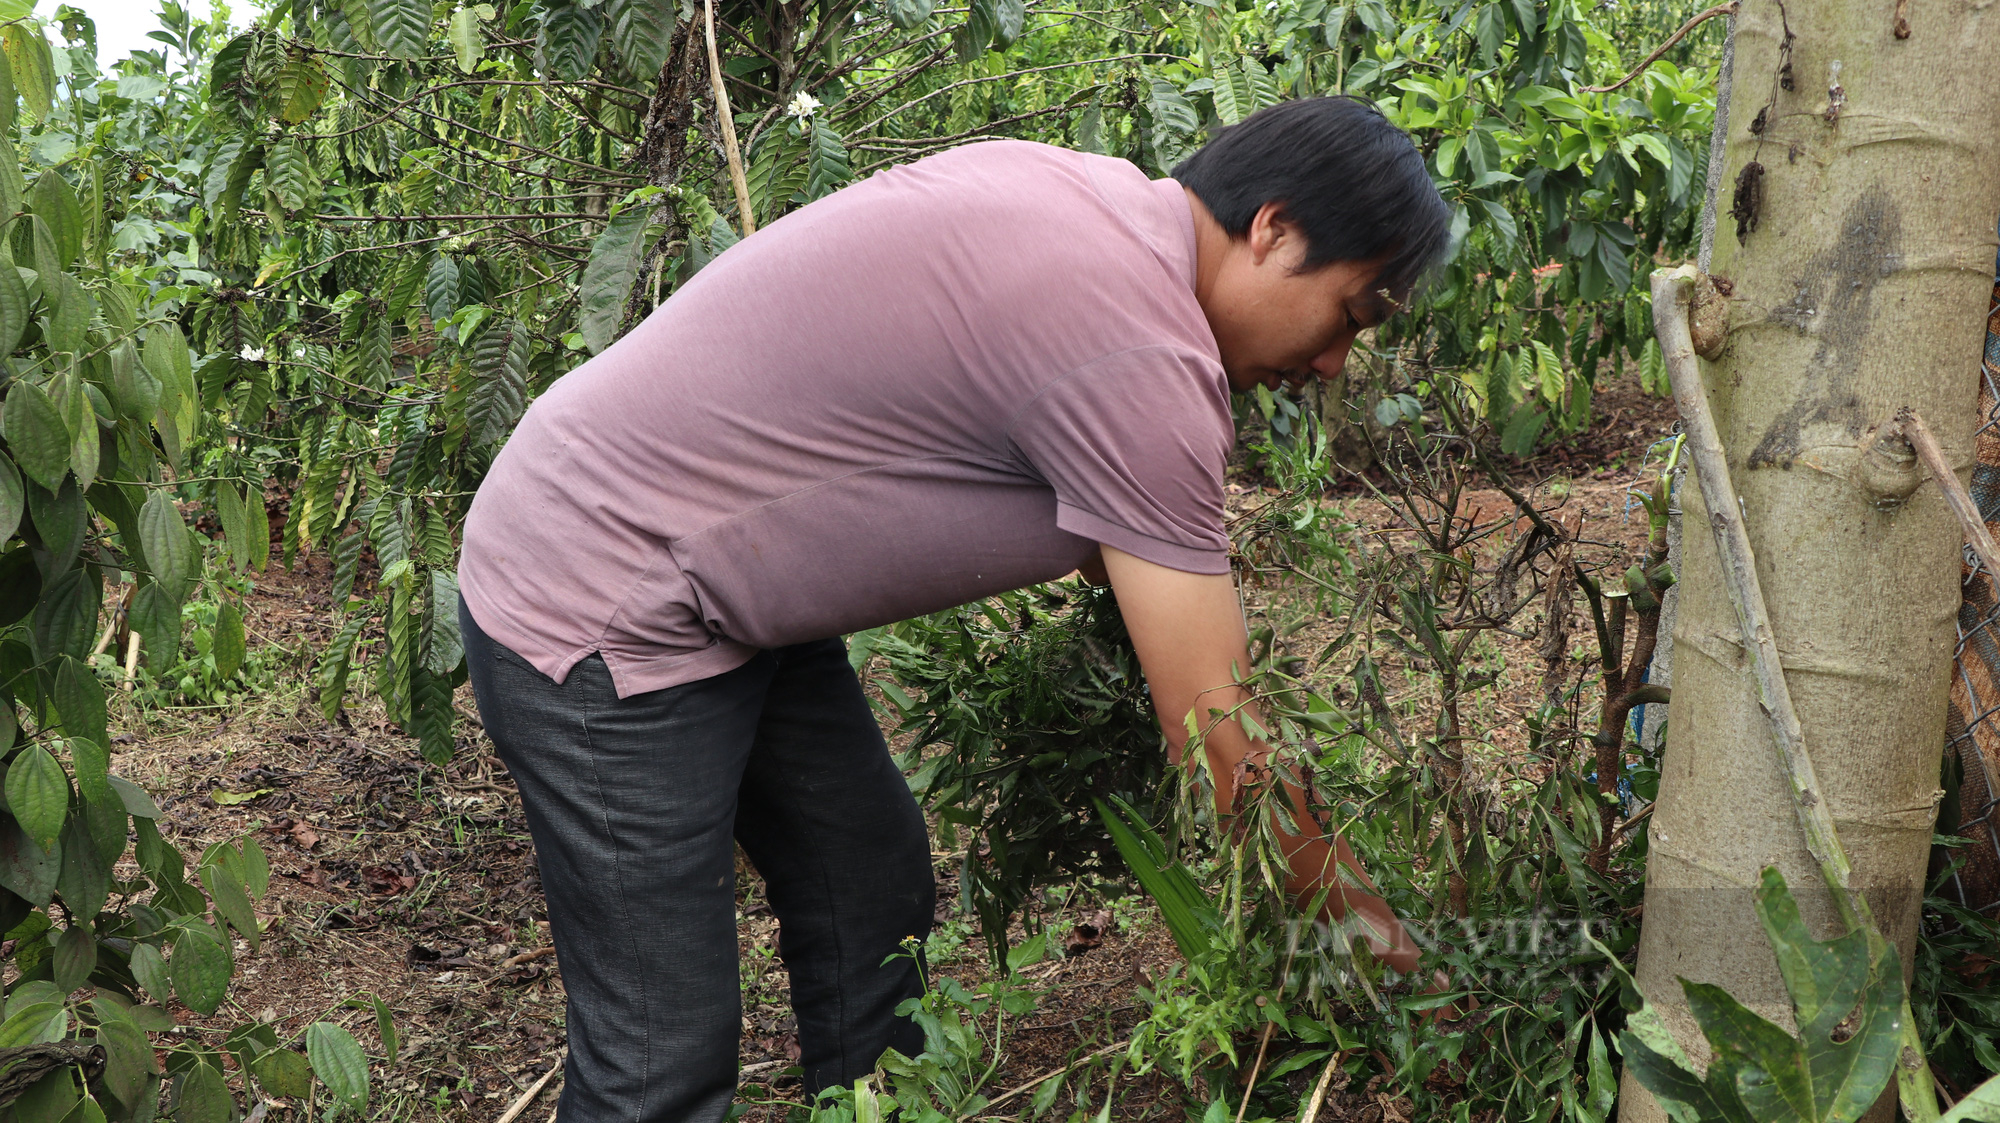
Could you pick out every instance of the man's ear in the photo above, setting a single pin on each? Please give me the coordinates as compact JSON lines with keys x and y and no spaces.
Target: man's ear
{"x":1269,"y":231}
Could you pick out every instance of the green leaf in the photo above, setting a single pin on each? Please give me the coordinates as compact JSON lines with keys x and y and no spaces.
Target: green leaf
{"x":31,"y":66}
{"x":38,"y":794}
{"x":401,"y":26}
{"x":385,"y":1027}
{"x":567,"y":45}
{"x":641,"y":31}
{"x":1981,"y":1105}
{"x":230,"y":513}
{"x":36,"y":434}
{"x":169,"y":550}
{"x":908,"y":15}
{"x":432,"y":714}
{"x":13,"y":499}
{"x":13,"y":305}
{"x":335,"y":664}
{"x":9,"y":97}
{"x":106,"y":822}
{"x":283,"y":1073}
{"x":467,"y":44}
{"x":290,"y":178}
{"x":150,"y":968}
{"x":441,"y":288}
{"x":1008,"y":18}
{"x":79,"y":699}
{"x":166,"y":357}
{"x":500,"y":363}
{"x":443,"y":648}
{"x":338,"y":1061}
{"x":609,"y":275}
{"x":204,"y":1096}
{"x":84,"y":881}
{"x":54,"y":201}
{"x":1761,"y":1062}
{"x":129,"y":1063}
{"x":66,"y":616}
{"x":301,"y":86}
{"x":27,"y":868}
{"x":256,"y":867}
{"x":1174,"y":124}
{"x":232,"y":903}
{"x":135,"y":393}
{"x":1674,"y":1085}
{"x":156,"y":616}
{"x":827,"y":169}
{"x":200,"y":967}
{"x":228,"y":645}
{"x":1190,"y":916}
{"x":75,"y":958}
{"x":38,"y":1023}
{"x":93,"y":769}
{"x":1830,"y":984}
{"x":135,"y":799}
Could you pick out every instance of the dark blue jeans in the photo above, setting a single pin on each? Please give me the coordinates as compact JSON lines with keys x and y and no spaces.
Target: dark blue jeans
{"x":635,"y":805}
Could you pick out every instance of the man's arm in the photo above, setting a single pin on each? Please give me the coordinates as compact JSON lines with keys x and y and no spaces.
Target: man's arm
{"x":1188,"y":630}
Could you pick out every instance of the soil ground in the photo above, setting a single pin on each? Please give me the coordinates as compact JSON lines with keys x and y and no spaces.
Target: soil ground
{"x":418,"y":884}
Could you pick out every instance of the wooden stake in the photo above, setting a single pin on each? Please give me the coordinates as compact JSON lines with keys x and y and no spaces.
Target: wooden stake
{"x":729,"y":150}
{"x":131,"y":657}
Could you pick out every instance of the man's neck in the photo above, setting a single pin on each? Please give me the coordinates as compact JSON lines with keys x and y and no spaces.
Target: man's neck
{"x":1211,"y":244}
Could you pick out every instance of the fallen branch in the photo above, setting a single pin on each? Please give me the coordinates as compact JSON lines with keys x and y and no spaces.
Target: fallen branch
{"x":520,"y":1105}
{"x":1728,"y":9}
{"x":1032,"y":1084}
{"x":527,"y":956}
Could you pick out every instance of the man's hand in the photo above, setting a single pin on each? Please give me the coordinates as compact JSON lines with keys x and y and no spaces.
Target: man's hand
{"x":1188,"y":631}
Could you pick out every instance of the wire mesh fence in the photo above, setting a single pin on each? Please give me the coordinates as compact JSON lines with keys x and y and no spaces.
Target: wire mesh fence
{"x":1973,"y":728}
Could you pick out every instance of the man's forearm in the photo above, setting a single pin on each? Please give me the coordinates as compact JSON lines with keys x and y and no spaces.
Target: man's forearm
{"x":1188,"y":631}
{"x":1313,"y":863}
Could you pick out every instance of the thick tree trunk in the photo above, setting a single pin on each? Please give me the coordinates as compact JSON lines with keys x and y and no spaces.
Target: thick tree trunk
{"x":1859,"y":282}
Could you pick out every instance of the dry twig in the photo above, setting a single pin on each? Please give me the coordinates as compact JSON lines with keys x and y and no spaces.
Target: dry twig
{"x":521,"y":1104}
{"x":1955,"y":496}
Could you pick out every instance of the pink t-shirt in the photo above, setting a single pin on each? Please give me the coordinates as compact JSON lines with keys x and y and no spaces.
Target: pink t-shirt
{"x":948,"y":380}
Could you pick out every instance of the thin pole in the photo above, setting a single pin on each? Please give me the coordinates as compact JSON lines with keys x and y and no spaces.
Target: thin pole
{"x":730,"y":152}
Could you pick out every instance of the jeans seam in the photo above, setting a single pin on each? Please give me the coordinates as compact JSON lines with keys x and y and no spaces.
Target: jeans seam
{"x":625,"y":915}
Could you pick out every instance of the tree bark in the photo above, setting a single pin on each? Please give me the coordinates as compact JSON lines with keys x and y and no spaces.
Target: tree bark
{"x":1859,"y":266}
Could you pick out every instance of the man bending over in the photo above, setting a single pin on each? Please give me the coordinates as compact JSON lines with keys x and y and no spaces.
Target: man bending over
{"x":971,"y":373}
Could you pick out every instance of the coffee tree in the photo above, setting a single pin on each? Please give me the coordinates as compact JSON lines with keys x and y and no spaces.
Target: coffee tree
{"x":1563,"y":192}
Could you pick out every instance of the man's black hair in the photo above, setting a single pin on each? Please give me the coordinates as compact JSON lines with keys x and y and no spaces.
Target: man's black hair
{"x":1351,"y":181}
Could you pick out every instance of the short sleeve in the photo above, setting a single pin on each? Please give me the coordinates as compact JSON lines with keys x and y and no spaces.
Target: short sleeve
{"x":1134,"y":446}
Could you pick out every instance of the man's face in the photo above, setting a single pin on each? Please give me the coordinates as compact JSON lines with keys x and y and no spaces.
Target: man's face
{"x":1277,"y":325}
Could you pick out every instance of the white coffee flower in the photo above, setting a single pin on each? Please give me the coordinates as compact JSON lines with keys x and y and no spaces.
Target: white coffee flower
{"x":251,"y":354}
{"x":802,"y":105}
